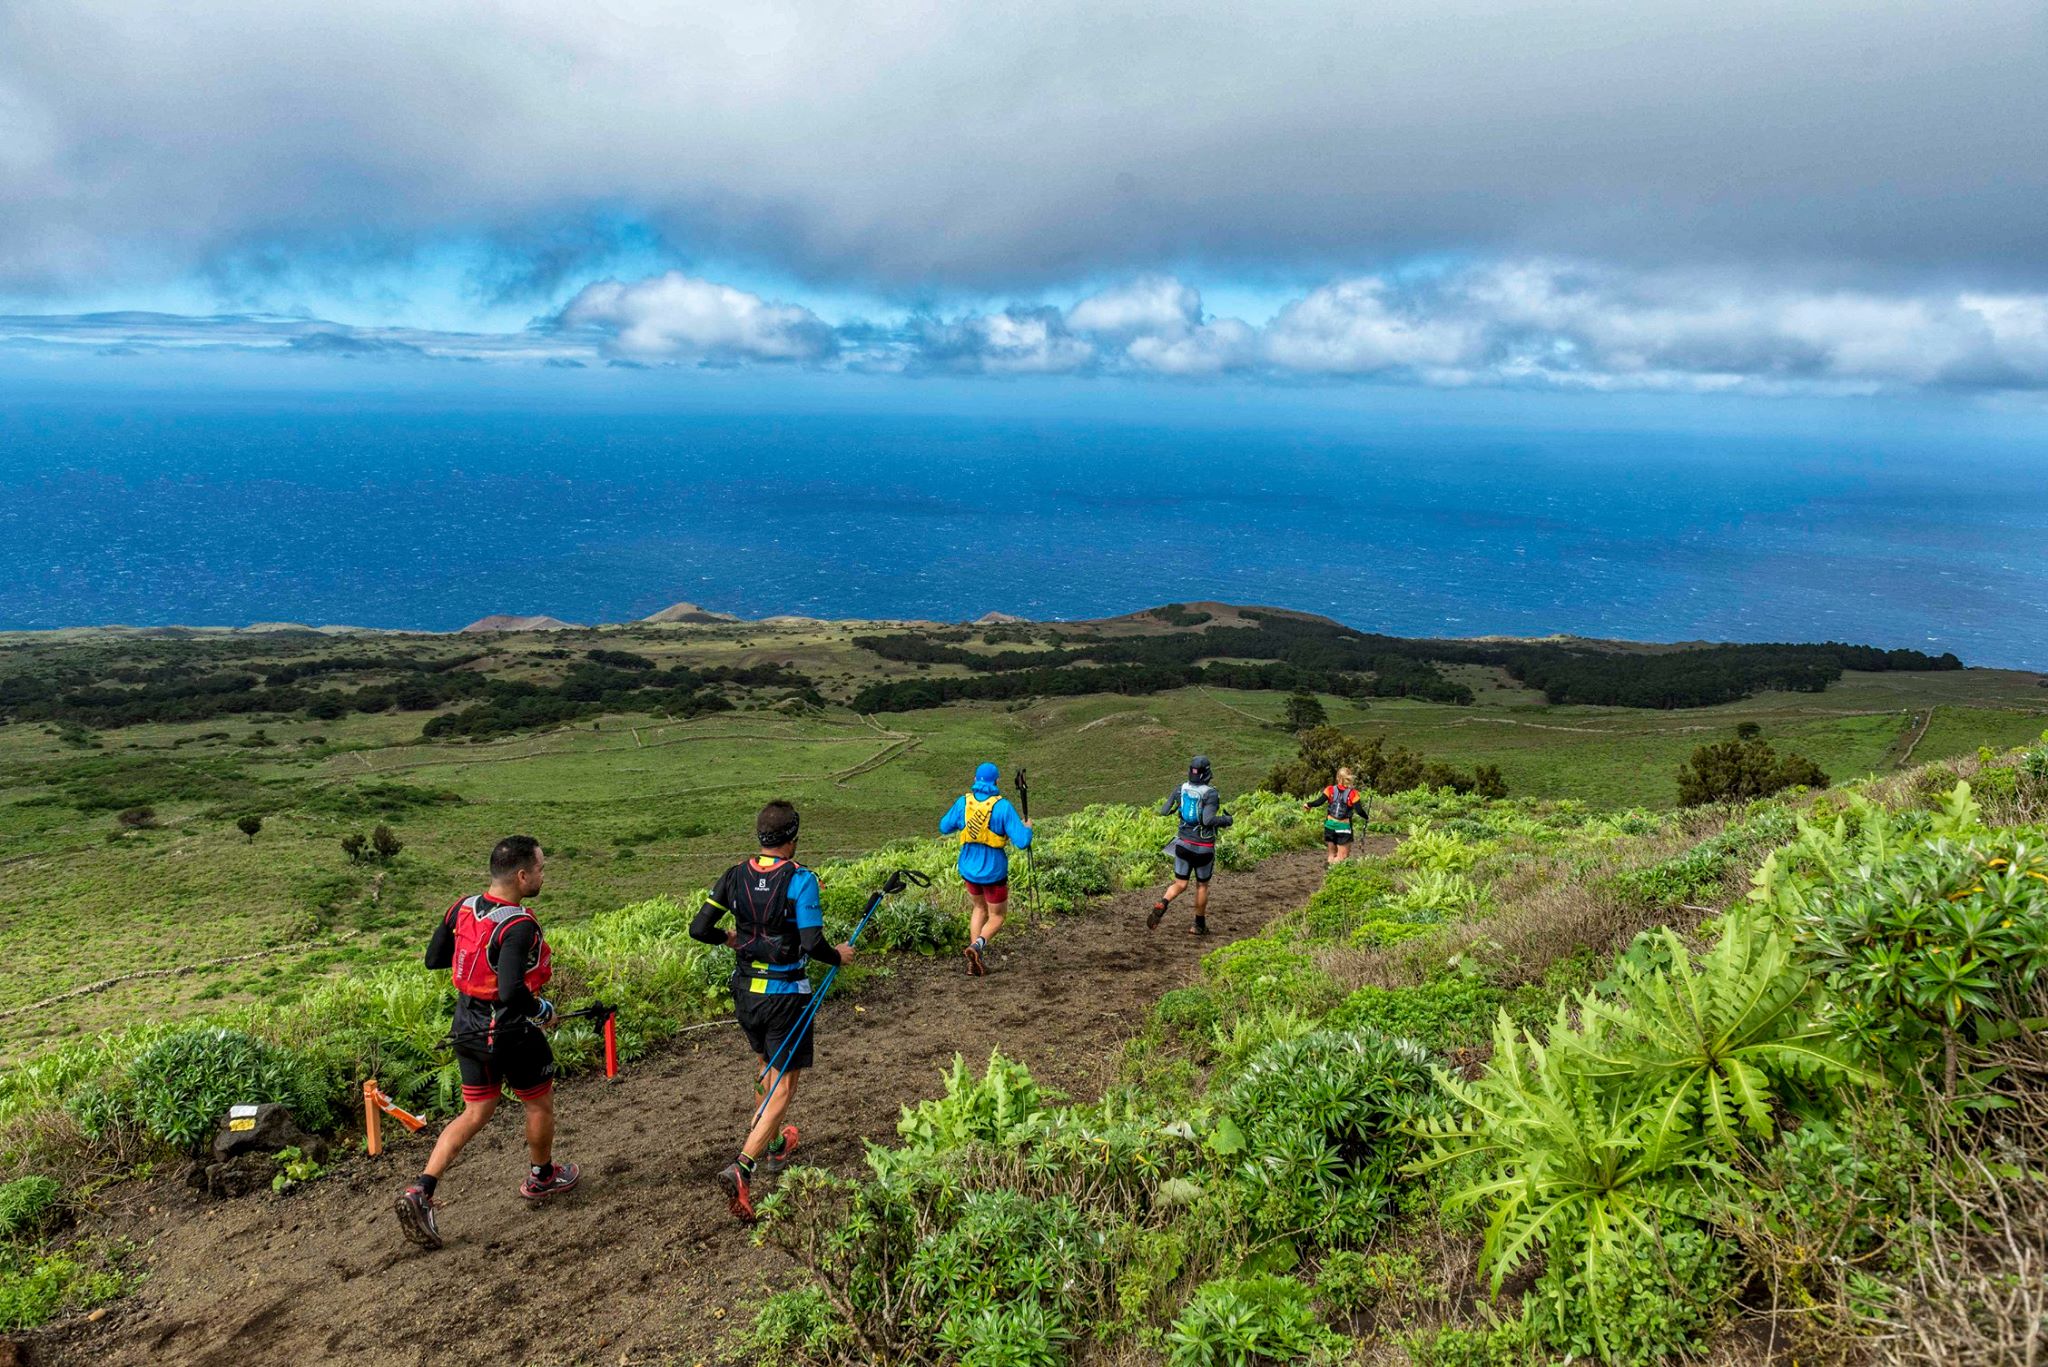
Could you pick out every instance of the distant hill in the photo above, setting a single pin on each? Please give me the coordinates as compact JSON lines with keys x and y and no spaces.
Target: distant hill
{"x":504,"y":622}
{"x":688,"y":614}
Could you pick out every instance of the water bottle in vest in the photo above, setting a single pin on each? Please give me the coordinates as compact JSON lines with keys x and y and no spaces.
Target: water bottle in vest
{"x":1190,"y":806}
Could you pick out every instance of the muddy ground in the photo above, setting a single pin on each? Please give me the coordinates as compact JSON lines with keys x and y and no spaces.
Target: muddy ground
{"x":642,"y":1263}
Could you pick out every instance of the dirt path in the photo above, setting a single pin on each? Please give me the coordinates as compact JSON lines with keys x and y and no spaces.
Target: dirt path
{"x":641,"y":1263}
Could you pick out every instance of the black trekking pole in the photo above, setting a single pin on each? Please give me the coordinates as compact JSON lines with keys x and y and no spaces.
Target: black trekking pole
{"x":895,"y":883}
{"x":1030,"y":860}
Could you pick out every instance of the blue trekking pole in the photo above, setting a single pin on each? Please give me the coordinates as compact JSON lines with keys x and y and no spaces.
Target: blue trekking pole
{"x":895,"y":883}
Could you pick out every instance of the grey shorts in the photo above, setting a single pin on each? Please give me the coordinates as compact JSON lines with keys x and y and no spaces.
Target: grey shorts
{"x":1197,"y":864}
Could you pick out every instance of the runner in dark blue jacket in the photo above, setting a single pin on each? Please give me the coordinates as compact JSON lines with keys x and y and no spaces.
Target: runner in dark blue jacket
{"x":1200,"y":809}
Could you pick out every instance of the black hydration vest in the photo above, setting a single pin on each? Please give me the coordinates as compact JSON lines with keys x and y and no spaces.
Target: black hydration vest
{"x":765,"y":920}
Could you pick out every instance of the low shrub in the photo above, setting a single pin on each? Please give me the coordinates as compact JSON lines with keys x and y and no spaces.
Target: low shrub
{"x":177,"y":1089}
{"x":1321,"y":1128}
{"x":1239,"y":1321}
{"x":30,"y":1206}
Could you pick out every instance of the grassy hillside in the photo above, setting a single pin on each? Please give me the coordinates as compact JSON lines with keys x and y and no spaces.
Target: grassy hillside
{"x":634,"y":805}
{"x":1309,"y":1145}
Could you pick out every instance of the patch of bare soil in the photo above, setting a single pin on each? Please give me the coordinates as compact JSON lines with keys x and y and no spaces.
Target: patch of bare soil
{"x":642,"y":1263}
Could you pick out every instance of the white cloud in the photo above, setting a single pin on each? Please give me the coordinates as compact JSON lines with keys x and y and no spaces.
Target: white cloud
{"x":1358,"y":327}
{"x":1526,"y":323}
{"x":1153,"y":305}
{"x":676,"y":316}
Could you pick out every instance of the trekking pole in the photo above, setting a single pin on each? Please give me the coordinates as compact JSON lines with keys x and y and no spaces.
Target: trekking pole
{"x":894,"y":884}
{"x":1030,"y":860}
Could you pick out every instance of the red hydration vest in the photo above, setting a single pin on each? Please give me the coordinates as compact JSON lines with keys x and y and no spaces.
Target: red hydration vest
{"x":480,"y":923}
{"x":1343,"y":801}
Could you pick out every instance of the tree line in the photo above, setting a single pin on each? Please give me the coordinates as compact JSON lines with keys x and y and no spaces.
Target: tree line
{"x":1303,"y":653}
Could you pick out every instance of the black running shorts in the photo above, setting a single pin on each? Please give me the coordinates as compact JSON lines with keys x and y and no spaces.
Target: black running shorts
{"x":769,"y":1020}
{"x":523,"y":1062}
{"x":1197,"y":864}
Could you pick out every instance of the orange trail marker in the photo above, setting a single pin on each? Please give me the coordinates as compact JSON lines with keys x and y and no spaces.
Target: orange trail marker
{"x":376,"y":1105}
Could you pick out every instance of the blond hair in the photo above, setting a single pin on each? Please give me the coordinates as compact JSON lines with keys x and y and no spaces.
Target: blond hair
{"x":1345,"y":778}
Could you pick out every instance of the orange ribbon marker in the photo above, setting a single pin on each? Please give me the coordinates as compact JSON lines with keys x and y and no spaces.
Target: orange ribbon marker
{"x":376,"y":1105}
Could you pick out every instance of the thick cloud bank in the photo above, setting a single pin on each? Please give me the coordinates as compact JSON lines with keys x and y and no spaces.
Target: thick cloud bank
{"x":905,"y":144}
{"x":1531,"y":323}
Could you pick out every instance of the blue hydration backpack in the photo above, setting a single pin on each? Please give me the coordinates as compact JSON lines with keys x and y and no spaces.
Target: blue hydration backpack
{"x":1190,"y":806}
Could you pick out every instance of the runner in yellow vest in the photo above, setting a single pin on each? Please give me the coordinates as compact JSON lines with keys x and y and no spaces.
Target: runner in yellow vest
{"x":987,"y":826}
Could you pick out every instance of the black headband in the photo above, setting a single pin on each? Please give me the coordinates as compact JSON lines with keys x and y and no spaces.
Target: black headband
{"x":781,"y":835}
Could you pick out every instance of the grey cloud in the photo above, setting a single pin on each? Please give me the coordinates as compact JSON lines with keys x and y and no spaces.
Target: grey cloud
{"x":904,"y":144}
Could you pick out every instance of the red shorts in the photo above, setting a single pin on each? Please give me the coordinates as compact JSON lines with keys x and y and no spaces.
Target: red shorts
{"x":995,"y":894}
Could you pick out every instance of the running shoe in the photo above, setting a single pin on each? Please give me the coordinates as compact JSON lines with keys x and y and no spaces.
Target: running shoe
{"x":416,"y":1216}
{"x":779,"y":1153}
{"x":733,"y":1183}
{"x":975,"y":967}
{"x":1200,"y":927}
{"x":1158,"y":915}
{"x":561,"y":1177}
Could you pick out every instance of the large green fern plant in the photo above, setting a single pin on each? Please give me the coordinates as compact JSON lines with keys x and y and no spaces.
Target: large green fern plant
{"x":1718,"y":1041}
{"x":1628,"y":1122}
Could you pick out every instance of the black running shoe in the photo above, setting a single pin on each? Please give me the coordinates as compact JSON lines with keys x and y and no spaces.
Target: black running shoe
{"x":416,"y":1216}
{"x":1158,"y":915}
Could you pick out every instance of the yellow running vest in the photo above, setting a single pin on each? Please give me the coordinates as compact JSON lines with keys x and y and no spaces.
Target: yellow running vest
{"x":976,"y":831}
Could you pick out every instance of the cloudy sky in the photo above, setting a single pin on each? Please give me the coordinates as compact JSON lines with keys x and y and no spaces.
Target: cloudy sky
{"x":1822,"y":199}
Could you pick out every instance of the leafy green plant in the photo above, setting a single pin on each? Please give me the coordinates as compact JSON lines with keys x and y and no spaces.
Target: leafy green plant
{"x":800,"y":1327}
{"x":29,"y":1206}
{"x":1934,"y":949}
{"x":1715,"y":1042}
{"x":1454,"y":1010}
{"x":1436,"y":850}
{"x":996,"y":1108}
{"x":178,"y":1089}
{"x":1321,"y":1128}
{"x":1244,"y":1321}
{"x":293,"y":1168}
{"x":38,"y":1284}
{"x":1659,"y":1301}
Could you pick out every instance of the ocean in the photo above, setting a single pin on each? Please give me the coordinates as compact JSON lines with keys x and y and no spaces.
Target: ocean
{"x":222,"y":516}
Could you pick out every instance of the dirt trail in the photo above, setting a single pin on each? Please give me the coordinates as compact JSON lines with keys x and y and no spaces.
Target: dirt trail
{"x":638,"y":1264}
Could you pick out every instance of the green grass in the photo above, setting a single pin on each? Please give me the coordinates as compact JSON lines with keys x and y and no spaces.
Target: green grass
{"x":637,"y":807}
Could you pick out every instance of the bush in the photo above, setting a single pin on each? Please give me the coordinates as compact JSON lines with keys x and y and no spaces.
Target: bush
{"x":1742,"y":771}
{"x":138,"y":819}
{"x":1322,"y":1121}
{"x":1238,"y":1321}
{"x":799,"y":1327}
{"x":1659,"y":1301}
{"x":178,"y":1089}
{"x":30,"y":1206}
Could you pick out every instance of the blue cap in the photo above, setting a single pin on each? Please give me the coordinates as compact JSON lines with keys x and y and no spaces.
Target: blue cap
{"x":985,"y":779}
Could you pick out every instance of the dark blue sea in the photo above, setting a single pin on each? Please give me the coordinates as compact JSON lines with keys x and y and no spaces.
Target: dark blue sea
{"x":158,"y":515}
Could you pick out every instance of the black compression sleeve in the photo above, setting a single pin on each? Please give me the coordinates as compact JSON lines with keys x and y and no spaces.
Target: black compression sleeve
{"x":817,"y":946}
{"x":513,"y":950}
{"x":441,"y":949}
{"x":704,"y":925}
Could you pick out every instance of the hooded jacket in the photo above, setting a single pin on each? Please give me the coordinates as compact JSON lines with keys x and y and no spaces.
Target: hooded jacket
{"x":984,"y":863}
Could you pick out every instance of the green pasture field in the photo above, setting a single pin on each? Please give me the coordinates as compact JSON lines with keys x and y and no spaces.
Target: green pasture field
{"x":634,"y":806}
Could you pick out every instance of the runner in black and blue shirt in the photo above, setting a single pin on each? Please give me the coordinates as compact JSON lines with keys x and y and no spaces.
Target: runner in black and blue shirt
{"x":779,"y":927}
